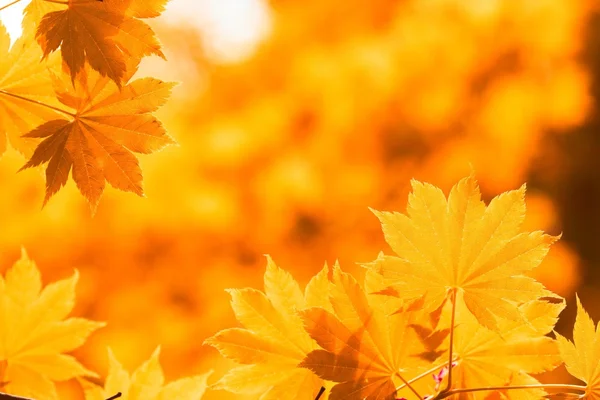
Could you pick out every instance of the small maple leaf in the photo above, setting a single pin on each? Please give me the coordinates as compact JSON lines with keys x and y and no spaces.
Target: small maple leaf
{"x":23,"y":81}
{"x":97,"y":141}
{"x":486,"y":358}
{"x":363,"y":347}
{"x":273,"y":341}
{"x":145,"y":383}
{"x":460,"y":244}
{"x":103,"y":33}
{"x":582,"y":356}
{"x":35,"y":332}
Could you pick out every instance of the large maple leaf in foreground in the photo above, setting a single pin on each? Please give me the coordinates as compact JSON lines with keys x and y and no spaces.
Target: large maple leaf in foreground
{"x":97,"y":138}
{"x":146,"y":383}
{"x":273,"y":341}
{"x":458,"y":244}
{"x":103,"y":33}
{"x":34,"y":332}
{"x":582,"y":356}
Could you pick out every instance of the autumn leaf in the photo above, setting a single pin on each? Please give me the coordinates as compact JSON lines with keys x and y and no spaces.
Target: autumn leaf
{"x":582,"y":356}
{"x":97,"y":138}
{"x":35,"y":333}
{"x":365,"y":347}
{"x":145,"y":383}
{"x":459,"y":244}
{"x":24,"y":81}
{"x":102,"y":33}
{"x":273,"y":341}
{"x":485,"y":358}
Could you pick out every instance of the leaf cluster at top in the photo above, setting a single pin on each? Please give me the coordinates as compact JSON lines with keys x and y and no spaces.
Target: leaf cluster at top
{"x":81,"y":113}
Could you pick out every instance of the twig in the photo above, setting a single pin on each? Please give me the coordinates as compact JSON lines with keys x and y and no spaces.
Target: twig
{"x":321,"y":391}
{"x":9,"y":4}
{"x":409,"y":385}
{"x":450,"y":355}
{"x":39,"y":103}
{"x":449,"y":393}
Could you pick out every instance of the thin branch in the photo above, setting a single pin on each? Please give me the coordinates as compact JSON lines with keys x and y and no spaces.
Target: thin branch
{"x":321,"y":391}
{"x":554,"y":386}
{"x":9,"y":4}
{"x":450,"y":355}
{"x":409,"y":385}
{"x":39,"y":103}
{"x":422,"y":375}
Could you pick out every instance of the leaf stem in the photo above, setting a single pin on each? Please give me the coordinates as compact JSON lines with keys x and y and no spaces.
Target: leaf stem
{"x":116,"y":396}
{"x":450,"y":355}
{"x":407,"y":383}
{"x":39,"y":103}
{"x":556,"y":386}
{"x":9,"y":4}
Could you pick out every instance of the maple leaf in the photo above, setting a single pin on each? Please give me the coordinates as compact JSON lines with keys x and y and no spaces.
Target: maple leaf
{"x":273,"y":341}
{"x":103,"y":33}
{"x":365,"y":346}
{"x":97,"y":140}
{"x":582,"y":356}
{"x":145,"y":383}
{"x":35,"y":332}
{"x":460,"y":244}
{"x":485,"y":358}
{"x":23,"y":82}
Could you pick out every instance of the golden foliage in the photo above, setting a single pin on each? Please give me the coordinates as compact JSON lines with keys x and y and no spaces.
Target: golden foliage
{"x":341,"y":105}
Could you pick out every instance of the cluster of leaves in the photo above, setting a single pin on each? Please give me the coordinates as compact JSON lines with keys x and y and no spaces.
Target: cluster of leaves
{"x":36,"y":333}
{"x":453,"y":303}
{"x":85,"y":106}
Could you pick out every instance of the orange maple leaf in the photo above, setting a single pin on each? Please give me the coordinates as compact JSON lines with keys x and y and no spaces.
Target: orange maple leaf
{"x":107,"y":124}
{"x":103,"y":33}
{"x":365,"y":347}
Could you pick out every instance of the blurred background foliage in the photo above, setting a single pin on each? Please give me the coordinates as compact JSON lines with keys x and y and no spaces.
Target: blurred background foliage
{"x":294,"y":117}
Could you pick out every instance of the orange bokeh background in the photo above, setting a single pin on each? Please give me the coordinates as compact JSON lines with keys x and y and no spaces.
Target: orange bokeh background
{"x":283,"y":150}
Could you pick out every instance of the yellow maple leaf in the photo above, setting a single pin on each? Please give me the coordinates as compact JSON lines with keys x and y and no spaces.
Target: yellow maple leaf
{"x":35,"y":333}
{"x":23,"y":82}
{"x":458,"y":244}
{"x":98,"y":137}
{"x":485,"y":358}
{"x":273,"y":341}
{"x":145,"y":383}
{"x":103,"y":33}
{"x":582,"y":356}
{"x":365,"y":346}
